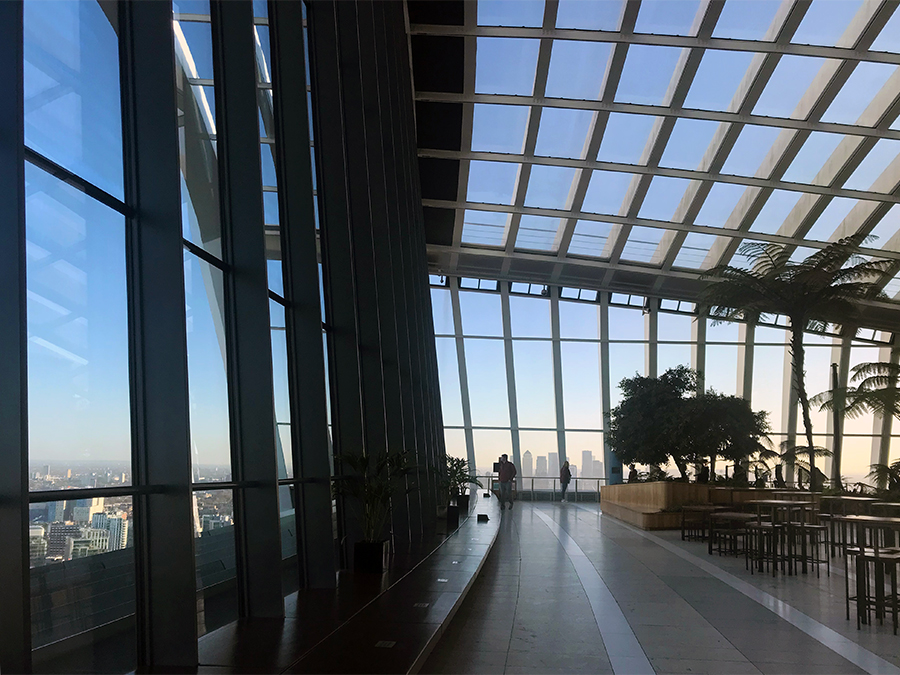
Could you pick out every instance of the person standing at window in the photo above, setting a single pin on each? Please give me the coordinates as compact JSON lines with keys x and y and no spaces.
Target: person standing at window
{"x":565,"y":476}
{"x":506,"y":474}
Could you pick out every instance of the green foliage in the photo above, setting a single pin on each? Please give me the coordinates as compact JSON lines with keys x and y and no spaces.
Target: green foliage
{"x":458,"y":475}
{"x":887,"y":477}
{"x":370,"y":482}
{"x":874,"y":388}
{"x":658,"y":419}
{"x":821,"y":290}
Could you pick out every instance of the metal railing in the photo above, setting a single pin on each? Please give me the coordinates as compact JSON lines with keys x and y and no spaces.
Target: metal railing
{"x":545,"y":488}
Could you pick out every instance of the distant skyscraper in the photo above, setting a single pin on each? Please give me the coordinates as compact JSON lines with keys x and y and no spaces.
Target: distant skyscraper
{"x":587,"y":463}
{"x":553,"y":464}
{"x":598,"y":469}
{"x":37,"y":545}
{"x":541,"y":466}
{"x":46,"y":471}
{"x":573,"y":469}
{"x":527,"y":464}
{"x":118,"y":533}
{"x":68,"y":473}
{"x":100,"y":521}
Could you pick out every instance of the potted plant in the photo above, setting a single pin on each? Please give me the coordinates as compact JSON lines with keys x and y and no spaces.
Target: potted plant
{"x":370,"y":483}
{"x":458,"y":475}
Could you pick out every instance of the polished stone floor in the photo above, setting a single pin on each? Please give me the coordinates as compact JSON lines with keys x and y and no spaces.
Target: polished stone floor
{"x":567,"y":590}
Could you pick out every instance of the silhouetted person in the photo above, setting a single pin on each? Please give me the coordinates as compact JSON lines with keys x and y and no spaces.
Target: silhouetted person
{"x":565,"y":475}
{"x":779,"y":478}
{"x":758,"y":481}
{"x":506,"y":474}
{"x":739,"y":477}
{"x":632,"y":474}
{"x":703,"y":476}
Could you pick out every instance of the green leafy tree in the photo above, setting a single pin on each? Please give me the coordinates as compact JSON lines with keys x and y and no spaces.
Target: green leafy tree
{"x":716,"y":425}
{"x":823,"y":289}
{"x":643,"y":425}
{"x":874,"y":388}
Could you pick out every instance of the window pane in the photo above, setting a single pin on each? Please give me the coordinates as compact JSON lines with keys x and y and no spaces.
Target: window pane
{"x":625,"y":138}
{"x":563,"y":133}
{"x":663,"y":197}
{"x":589,"y":14}
{"x":455,"y":443}
{"x":281,"y":390}
{"x":788,"y":83}
{"x":499,"y":128}
{"x":73,"y":109}
{"x":672,"y":356}
{"x":666,"y":17}
{"x":581,"y":385}
{"x":769,"y":384}
{"x":625,"y":360}
{"x":538,"y":233}
{"x":511,"y":13}
{"x":536,"y":446}
{"x":721,"y":369}
{"x":82,"y":576}
{"x":576,"y":69}
{"x":196,"y":132}
{"x":506,"y":65}
{"x":606,"y":191}
{"x":625,"y":324}
{"x":675,"y":327}
{"x":486,"y":370}
{"x":448,"y":373}
{"x":535,"y":394}
{"x":214,"y":553}
{"x":489,"y":445}
{"x":485,"y":228}
{"x":530,"y":317}
{"x":589,"y":238}
{"x":442,"y":311}
{"x":579,"y":320}
{"x":492,"y":182}
{"x":79,"y":409}
{"x":204,"y":287}
{"x":717,"y":79}
{"x":549,"y":187}
{"x":647,"y":73}
{"x":481,"y":314}
{"x":585,"y":452}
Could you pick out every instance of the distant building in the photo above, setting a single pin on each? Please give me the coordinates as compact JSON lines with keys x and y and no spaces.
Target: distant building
{"x":598,"y":469}
{"x":84,"y":509}
{"x":37,"y":545}
{"x":46,"y":471}
{"x":573,"y":469}
{"x":587,"y":463}
{"x":527,"y":464}
{"x":56,"y":512}
{"x":91,"y":542}
{"x":100,"y":521}
{"x":541,"y":466}
{"x":211,"y":523}
{"x":118,"y":533}
{"x":57,"y":536}
{"x":553,"y":463}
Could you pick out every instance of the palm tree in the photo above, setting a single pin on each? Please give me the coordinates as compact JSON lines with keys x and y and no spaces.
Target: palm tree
{"x":823,"y":289}
{"x":874,"y":388}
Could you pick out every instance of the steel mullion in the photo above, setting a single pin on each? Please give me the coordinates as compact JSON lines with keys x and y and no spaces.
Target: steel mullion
{"x":604,"y":106}
{"x":685,"y":42}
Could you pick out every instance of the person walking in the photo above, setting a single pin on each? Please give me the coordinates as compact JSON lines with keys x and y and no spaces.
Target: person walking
{"x":565,"y":475}
{"x":506,"y":475}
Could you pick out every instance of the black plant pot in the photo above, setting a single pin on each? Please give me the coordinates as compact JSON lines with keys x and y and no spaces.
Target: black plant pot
{"x":452,"y":517}
{"x":463,"y":502}
{"x":371,"y":556}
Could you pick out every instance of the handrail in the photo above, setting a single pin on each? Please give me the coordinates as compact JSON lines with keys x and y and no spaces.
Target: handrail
{"x":525,"y":485}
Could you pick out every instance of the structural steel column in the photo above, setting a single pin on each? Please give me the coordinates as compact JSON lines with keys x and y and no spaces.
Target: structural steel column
{"x":257,"y":515}
{"x":399,"y":217}
{"x":164,"y":548}
{"x":510,"y":374}
{"x":611,"y":462}
{"x":881,"y":446}
{"x":651,"y":335}
{"x":557,"y":379}
{"x":746,"y":350}
{"x":698,"y":348}
{"x":15,"y":596}
{"x":309,"y":425}
{"x":337,"y":259}
{"x":463,"y":374}
{"x":840,"y":354}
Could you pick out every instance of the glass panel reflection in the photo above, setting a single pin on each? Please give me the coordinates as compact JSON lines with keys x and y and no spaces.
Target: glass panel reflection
{"x":73,"y":111}
{"x":214,"y":553}
{"x":78,"y":376}
{"x":204,"y":287}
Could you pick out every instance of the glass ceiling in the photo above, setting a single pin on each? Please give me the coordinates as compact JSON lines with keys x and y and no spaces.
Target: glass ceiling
{"x":613,"y":136}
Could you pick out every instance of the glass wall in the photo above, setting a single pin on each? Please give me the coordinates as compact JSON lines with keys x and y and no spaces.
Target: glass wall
{"x":525,"y":405}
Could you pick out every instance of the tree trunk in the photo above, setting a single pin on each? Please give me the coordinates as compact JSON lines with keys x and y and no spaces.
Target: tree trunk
{"x":799,"y":382}
{"x":837,"y":410}
{"x":682,"y":467}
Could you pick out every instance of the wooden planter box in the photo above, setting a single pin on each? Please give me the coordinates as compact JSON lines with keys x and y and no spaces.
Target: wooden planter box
{"x":651,"y":506}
